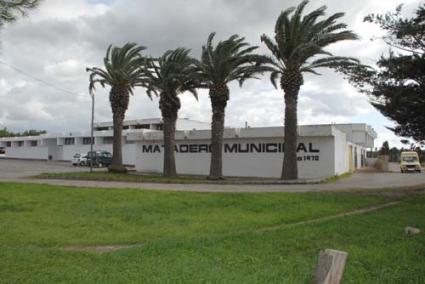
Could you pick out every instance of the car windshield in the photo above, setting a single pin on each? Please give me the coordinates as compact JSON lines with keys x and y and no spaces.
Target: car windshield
{"x":410,"y":159}
{"x":106,"y":154}
{"x":76,"y":156}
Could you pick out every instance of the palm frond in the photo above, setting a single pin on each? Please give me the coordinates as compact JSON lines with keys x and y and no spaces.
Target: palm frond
{"x":11,"y":9}
{"x":330,"y":62}
{"x":299,"y":38}
{"x":172,"y":73}
{"x":228,"y":60}
{"x":123,"y":66}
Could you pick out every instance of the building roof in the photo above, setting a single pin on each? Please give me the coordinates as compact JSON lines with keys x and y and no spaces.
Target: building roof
{"x":358,"y":133}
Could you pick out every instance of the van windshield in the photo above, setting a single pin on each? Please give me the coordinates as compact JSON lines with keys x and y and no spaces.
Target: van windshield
{"x":409,"y":159}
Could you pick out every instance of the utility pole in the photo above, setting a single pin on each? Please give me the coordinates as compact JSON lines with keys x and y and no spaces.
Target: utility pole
{"x":92,"y":132}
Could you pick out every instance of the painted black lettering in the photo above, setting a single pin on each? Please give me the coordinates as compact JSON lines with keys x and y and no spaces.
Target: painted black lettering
{"x":242,"y":150}
{"x":271,"y":148}
{"x":184,"y":148}
{"x":147,"y":148}
{"x":203,"y":148}
{"x":301,"y":147}
{"x":256,"y":147}
{"x":193,"y":148}
{"x":229,"y":149}
{"x":311,"y":150}
{"x":157,"y":149}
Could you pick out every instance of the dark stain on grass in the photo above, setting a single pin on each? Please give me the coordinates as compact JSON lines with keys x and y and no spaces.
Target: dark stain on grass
{"x":12,"y":208}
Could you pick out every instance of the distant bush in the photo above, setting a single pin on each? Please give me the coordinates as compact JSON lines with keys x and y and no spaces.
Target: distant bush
{"x":6,"y":133}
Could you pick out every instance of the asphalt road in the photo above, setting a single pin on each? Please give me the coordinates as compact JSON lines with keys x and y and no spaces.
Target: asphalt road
{"x":18,"y":170}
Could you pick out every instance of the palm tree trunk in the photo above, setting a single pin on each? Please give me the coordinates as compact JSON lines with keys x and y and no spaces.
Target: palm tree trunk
{"x":117,"y":165}
{"x":291,"y":83}
{"x":169,"y":146}
{"x":169,"y":105}
{"x":119,"y":99}
{"x":219,"y":96}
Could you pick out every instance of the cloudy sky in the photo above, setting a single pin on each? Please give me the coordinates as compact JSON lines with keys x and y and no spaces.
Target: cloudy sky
{"x":56,"y":42}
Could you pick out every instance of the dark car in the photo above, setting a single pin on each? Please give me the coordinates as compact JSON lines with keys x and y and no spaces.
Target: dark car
{"x":99,"y":159}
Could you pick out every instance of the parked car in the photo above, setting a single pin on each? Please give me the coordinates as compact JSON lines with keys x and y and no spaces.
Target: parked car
{"x":409,"y":162}
{"x":100,"y":159}
{"x":79,"y":160}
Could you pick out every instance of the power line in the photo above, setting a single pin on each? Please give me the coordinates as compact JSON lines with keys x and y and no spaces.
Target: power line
{"x":37,"y":79}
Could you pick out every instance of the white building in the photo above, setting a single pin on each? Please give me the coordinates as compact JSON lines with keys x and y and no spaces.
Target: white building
{"x":323,"y":150}
{"x":63,"y":146}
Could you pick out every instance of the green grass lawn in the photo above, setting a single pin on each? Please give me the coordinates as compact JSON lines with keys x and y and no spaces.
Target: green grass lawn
{"x":107,"y":176}
{"x":156,"y":178}
{"x":201,"y":237}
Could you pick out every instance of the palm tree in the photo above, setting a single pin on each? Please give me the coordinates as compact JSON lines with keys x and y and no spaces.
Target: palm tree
{"x":122,"y":73}
{"x":167,"y":77}
{"x":9,"y":9}
{"x":297,"y":40}
{"x":230,"y":60}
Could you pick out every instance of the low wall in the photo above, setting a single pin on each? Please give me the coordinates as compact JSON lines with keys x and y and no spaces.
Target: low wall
{"x":371,"y":162}
{"x":259,"y":157}
{"x":65,"y":152}
{"x":35,"y":153}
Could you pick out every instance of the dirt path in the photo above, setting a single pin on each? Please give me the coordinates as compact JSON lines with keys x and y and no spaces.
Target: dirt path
{"x":339,"y":186}
{"x":331,"y":217}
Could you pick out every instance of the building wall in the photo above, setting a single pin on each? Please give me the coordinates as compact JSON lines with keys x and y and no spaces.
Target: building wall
{"x":54,"y":151}
{"x":359,"y":133}
{"x":340,"y":157}
{"x":186,"y":124}
{"x":358,"y":153}
{"x":243,"y":164}
{"x":341,"y":149}
{"x":36,"y":153}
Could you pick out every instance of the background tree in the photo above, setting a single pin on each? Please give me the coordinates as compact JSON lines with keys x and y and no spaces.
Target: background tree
{"x":385,"y":149}
{"x":11,"y":9}
{"x":32,"y":132}
{"x":394,"y":155}
{"x":167,"y":77}
{"x":122,"y":73}
{"x":396,"y":86}
{"x":230,"y":60}
{"x":299,"y":39}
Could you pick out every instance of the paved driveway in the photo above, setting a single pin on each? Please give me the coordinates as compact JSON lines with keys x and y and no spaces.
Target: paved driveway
{"x":15,"y":170}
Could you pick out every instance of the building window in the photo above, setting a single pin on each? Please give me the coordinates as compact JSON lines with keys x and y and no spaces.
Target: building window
{"x":102,"y":128}
{"x":34,"y":143}
{"x":20,"y":143}
{"x":142,"y":126}
{"x":87,"y":140}
{"x":126,"y":127}
{"x":108,"y":140}
{"x":159,"y":127}
{"x":69,"y":141}
{"x":9,"y":144}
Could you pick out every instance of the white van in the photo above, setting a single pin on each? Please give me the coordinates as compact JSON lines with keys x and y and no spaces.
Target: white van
{"x":409,"y":162}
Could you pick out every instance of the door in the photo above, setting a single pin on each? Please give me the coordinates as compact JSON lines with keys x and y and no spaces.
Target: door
{"x":350,"y":158}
